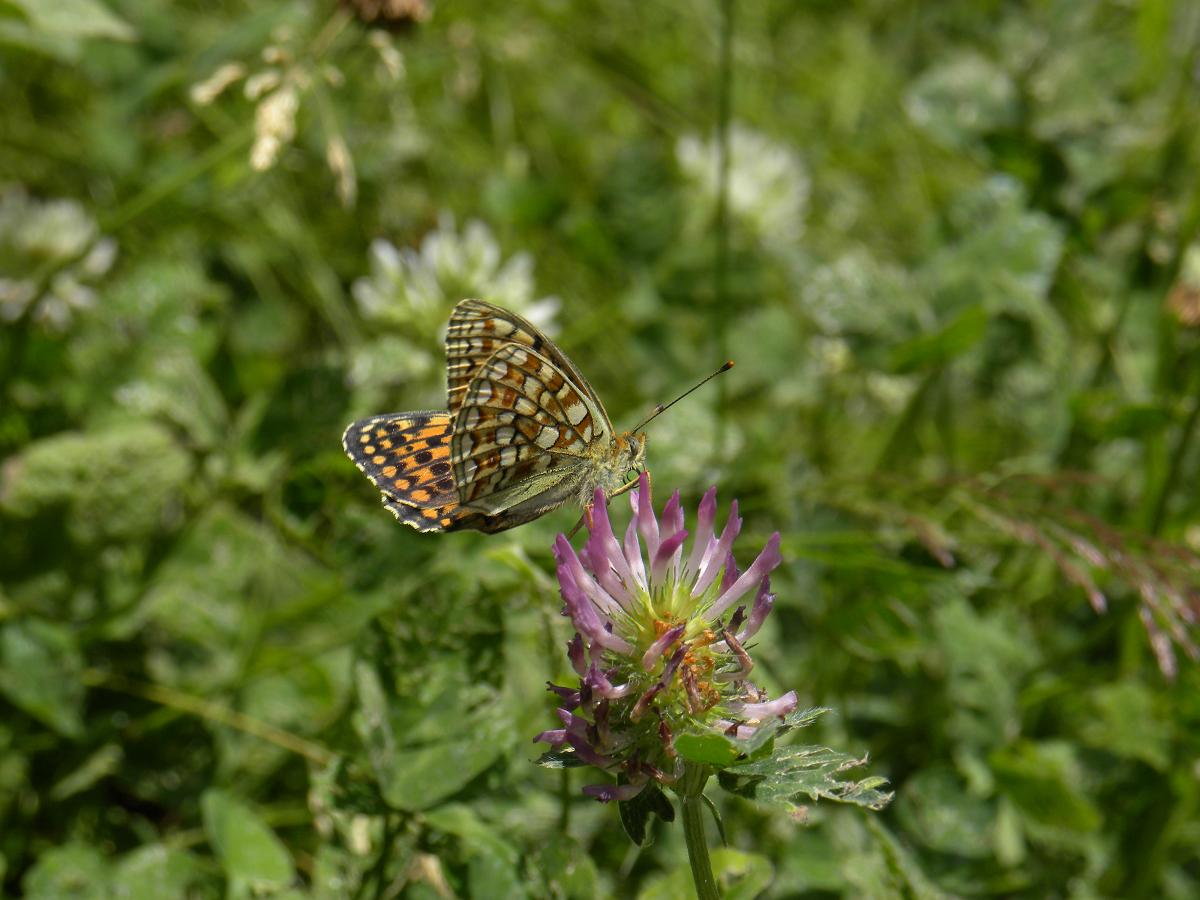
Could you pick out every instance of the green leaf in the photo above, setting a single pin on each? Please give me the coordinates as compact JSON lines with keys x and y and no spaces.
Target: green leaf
{"x":740,"y":876}
{"x":492,"y":860}
{"x":932,"y":351}
{"x":711,"y":749}
{"x":75,"y":19}
{"x":249,"y":851}
{"x":416,"y":776}
{"x":40,"y":673}
{"x":567,"y":868}
{"x":152,"y":871}
{"x":74,"y":871}
{"x":635,"y":814}
{"x":938,"y":808}
{"x":1044,"y":781}
{"x":811,"y":771}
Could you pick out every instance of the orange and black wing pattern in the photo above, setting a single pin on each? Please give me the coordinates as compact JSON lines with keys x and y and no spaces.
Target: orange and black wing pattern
{"x":407,"y":456}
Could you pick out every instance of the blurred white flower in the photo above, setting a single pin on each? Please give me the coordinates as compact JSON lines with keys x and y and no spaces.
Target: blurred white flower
{"x":50,"y":253}
{"x":416,"y":289}
{"x":412,"y":291}
{"x":768,"y":182}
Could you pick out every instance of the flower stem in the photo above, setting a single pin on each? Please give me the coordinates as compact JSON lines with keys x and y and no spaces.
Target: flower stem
{"x":692,"y":791}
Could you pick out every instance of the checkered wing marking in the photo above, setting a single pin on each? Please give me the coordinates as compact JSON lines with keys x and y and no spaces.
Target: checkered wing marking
{"x":450,"y":517}
{"x":478,"y":329}
{"x":406,"y":455}
{"x":521,"y":419}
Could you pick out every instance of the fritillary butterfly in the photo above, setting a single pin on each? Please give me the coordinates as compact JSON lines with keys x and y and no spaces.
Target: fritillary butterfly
{"x":524,"y":434}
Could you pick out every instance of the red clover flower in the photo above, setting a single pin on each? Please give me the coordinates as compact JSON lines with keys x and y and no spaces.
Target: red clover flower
{"x":660,"y":643}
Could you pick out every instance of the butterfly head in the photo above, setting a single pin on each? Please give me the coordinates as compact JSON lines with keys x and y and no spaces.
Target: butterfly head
{"x":631,"y":449}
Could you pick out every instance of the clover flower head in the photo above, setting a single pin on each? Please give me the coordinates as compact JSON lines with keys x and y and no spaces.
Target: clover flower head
{"x":661,"y":629}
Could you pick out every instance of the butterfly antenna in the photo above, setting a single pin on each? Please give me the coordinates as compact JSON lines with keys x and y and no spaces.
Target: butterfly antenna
{"x":662,"y":408}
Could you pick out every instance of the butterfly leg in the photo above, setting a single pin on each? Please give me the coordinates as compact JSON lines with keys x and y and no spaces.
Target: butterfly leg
{"x":629,"y":485}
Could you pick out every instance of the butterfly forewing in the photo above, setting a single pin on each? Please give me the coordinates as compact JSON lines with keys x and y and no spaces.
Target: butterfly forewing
{"x":478,"y":329}
{"x":521,"y":419}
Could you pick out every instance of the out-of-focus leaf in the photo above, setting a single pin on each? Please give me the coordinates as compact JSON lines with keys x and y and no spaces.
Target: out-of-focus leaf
{"x":567,"y":869}
{"x":153,"y":871}
{"x":1045,"y":782}
{"x":249,"y":851}
{"x":99,"y":765}
{"x":119,"y":483}
{"x":40,"y":666}
{"x":75,"y":19}
{"x":492,"y":860}
{"x":74,"y":871}
{"x":937,"y":807}
{"x":740,"y":876}
{"x":938,"y":349}
{"x":419,"y":768}
{"x":1127,"y":719}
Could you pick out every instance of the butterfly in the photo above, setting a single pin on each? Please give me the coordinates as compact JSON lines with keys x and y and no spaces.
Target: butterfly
{"x":524,"y":433}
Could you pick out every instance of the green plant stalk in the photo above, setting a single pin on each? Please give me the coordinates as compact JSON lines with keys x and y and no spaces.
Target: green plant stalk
{"x":692,"y":795}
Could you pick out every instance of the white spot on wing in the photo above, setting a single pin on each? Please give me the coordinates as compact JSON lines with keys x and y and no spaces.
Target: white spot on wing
{"x":576,"y":412}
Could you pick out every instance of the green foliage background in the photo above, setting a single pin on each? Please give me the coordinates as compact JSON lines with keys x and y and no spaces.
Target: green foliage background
{"x":962,"y":295}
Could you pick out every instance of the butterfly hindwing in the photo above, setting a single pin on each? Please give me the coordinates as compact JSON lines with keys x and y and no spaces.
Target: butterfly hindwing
{"x":406,"y":455}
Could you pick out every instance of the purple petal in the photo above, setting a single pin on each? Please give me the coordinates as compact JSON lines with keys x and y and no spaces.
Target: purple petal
{"x":672,"y":514}
{"x":647,"y":523}
{"x":729,"y":574}
{"x":600,"y":685}
{"x":704,"y":529}
{"x":587,"y":621}
{"x":659,"y":647}
{"x":666,"y":552}
{"x":575,"y":654}
{"x":557,"y":737}
{"x":763,"y":604}
{"x":718,"y":552}
{"x":759,"y":569}
{"x":568,"y":560}
{"x":588,"y":753}
{"x":606,"y":793}
{"x":757,"y":712}
{"x":568,"y":696}
{"x":605,"y":556}
{"x":633,"y":553}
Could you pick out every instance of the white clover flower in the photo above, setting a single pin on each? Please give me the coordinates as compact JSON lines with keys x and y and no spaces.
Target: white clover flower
{"x":55,"y":236}
{"x":768,"y":182}
{"x":417,"y":288}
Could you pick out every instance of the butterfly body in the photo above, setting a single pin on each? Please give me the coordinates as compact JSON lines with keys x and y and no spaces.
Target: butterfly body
{"x":524,"y":434}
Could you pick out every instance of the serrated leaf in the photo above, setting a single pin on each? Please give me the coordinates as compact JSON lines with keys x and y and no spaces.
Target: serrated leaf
{"x":811,"y":771}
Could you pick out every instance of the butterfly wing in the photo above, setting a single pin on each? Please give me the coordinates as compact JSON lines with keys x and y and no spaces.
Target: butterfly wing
{"x":407,"y":456}
{"x":478,"y":329}
{"x":524,"y":431}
